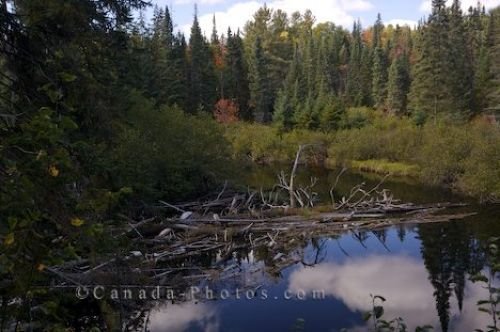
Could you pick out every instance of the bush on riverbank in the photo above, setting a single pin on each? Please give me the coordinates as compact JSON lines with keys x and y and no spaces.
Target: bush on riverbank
{"x":168,"y":154}
{"x":265,"y":144}
{"x":465,"y":157}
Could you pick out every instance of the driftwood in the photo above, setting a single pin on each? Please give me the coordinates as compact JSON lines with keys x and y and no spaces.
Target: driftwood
{"x":213,"y":227}
{"x":166,"y":248}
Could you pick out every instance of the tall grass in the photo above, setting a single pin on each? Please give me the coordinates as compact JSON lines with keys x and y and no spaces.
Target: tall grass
{"x":463,"y":156}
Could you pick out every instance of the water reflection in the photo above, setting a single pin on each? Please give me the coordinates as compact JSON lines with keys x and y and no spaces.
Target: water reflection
{"x":449,"y":252}
{"x":403,"y":280}
{"x":422,"y":271}
{"x":184,"y":317}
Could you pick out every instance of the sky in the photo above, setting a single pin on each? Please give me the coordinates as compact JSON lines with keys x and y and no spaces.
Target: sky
{"x":235,"y":13}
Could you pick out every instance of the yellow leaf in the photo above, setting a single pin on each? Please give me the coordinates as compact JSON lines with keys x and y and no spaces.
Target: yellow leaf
{"x":53,"y":171}
{"x":9,"y":240}
{"x":77,"y":222}
{"x":41,"y":267}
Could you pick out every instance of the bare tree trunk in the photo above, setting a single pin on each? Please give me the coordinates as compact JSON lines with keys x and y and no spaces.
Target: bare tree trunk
{"x":291,"y":190}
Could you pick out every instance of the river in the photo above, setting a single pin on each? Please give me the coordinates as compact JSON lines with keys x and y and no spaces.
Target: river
{"x":422,"y":271}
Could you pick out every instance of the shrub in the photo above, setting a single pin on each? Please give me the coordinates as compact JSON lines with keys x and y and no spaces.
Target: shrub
{"x":481,"y":175}
{"x":267,"y":144}
{"x":385,"y":138}
{"x":444,"y":148}
{"x":167,"y":153}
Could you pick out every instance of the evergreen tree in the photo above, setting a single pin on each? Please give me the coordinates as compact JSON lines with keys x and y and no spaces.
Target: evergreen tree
{"x":354,"y":85}
{"x":494,"y":55}
{"x":380,"y":64}
{"x":399,"y":84}
{"x":379,"y":85}
{"x":236,"y":74}
{"x":259,"y":84}
{"x":431,"y":91}
{"x":287,"y":101}
{"x":218,"y":60}
{"x":459,"y":64}
{"x":202,"y":80}
{"x":366,"y":83}
{"x":180,"y":74}
{"x":214,"y":38}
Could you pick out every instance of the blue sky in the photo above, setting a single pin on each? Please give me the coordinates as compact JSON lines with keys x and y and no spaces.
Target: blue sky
{"x":235,"y":13}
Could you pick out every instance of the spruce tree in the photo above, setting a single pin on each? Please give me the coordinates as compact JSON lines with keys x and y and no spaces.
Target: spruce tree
{"x":398,"y":86}
{"x":202,"y":81}
{"x":494,"y":54}
{"x":380,"y":64}
{"x":236,"y":74}
{"x":431,"y":91}
{"x":287,"y":101}
{"x":459,"y":65}
{"x":354,"y":85}
{"x":259,"y":84}
{"x":379,"y":83}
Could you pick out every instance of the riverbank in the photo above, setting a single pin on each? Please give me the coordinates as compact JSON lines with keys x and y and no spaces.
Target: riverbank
{"x":463,"y":157}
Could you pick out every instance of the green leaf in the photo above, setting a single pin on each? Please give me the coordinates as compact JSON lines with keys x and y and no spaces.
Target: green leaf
{"x":68,"y":123}
{"x":9,"y":239}
{"x":67,"y":77}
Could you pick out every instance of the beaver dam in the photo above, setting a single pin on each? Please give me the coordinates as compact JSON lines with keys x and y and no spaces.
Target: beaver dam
{"x":304,"y":231}
{"x":163,"y":249}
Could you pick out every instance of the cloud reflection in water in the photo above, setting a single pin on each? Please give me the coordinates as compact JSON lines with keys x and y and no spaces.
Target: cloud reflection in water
{"x":183,"y":317}
{"x":402,"y":280}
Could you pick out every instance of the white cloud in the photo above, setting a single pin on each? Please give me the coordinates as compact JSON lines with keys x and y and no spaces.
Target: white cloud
{"x":402,"y":22}
{"x":426,"y":5}
{"x":235,"y":17}
{"x":337,"y":11}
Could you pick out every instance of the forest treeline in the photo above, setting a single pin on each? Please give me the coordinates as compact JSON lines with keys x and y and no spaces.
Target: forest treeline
{"x":290,"y":71}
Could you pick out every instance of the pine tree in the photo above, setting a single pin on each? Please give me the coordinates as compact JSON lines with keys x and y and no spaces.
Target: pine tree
{"x":366,"y":83}
{"x":379,"y":83}
{"x":180,"y":75}
{"x":380,"y":64}
{"x":354,"y":85}
{"x":431,"y":91}
{"x":236,"y":74}
{"x":259,"y":84}
{"x":287,"y":102}
{"x":459,"y":64}
{"x":217,"y":50}
{"x":494,"y":55}
{"x":202,"y":81}
{"x":168,"y":31}
{"x":214,"y":39}
{"x":399,"y":84}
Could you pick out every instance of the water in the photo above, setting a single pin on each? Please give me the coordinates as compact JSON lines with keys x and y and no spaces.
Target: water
{"x":422,"y":271}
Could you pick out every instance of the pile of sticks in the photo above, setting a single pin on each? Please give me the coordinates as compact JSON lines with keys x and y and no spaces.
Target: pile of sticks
{"x":198,"y":240}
